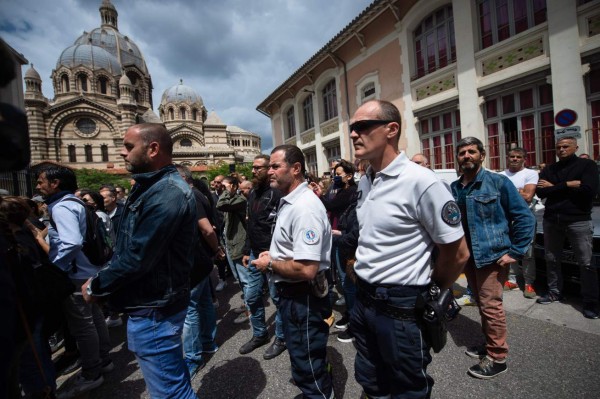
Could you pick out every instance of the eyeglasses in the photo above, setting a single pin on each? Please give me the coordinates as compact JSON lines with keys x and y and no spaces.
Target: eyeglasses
{"x":259,"y":167}
{"x":361,"y":126}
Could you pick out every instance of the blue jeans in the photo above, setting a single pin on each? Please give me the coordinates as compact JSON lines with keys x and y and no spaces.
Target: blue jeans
{"x":580,"y":236}
{"x":200,"y":325}
{"x":30,"y":375}
{"x":156,"y":342}
{"x":347,"y":283}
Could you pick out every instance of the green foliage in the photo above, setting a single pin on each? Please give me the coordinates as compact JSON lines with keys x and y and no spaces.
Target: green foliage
{"x":223,"y":169}
{"x":93,"y":179}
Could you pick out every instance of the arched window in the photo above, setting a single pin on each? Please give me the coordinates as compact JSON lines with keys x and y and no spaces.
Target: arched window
{"x":195,"y":114}
{"x":104,"y":151}
{"x":434,"y":42}
{"x":88,"y":153}
{"x":307,"y":112}
{"x":182,"y":112}
{"x":82,"y":80}
{"x":290,"y":130}
{"x":72,"y":154}
{"x":171,"y":114}
{"x":64,"y":83}
{"x":103,"y":84}
{"x":329,"y":97}
{"x":185,"y":143}
{"x":137,"y":96}
{"x":501,"y":19}
{"x":367,"y":92}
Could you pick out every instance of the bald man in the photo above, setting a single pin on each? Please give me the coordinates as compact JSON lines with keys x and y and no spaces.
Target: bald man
{"x":420,"y":159}
{"x":149,"y":274}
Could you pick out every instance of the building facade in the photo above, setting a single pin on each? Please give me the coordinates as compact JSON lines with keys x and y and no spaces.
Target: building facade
{"x":499,"y":70}
{"x":102,"y":86}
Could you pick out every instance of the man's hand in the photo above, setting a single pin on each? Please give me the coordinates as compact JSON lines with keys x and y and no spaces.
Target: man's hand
{"x":574,"y":183}
{"x":544,"y":184}
{"x":86,"y":297}
{"x":336,"y":232}
{"x":263,"y":261}
{"x":505,"y":260}
{"x":245,"y":260}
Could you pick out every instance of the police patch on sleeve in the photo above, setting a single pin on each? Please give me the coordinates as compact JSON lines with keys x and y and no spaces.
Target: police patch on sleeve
{"x":451,"y":213}
{"x":310,"y":236}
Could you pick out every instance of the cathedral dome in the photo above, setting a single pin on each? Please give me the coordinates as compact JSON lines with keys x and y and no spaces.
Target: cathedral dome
{"x":93,"y":57}
{"x":180,"y":93}
{"x":32,"y":73}
{"x":124,"y":81}
{"x":119,"y":46}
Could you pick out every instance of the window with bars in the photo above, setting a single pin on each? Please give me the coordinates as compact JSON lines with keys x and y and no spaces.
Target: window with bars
{"x":435,"y":45}
{"x":329,"y":97}
{"x":333,"y":153}
{"x":502,"y":19}
{"x":311,"y":162}
{"x":367,"y":92}
{"x":290,"y":127}
{"x":438,"y":134}
{"x":523,"y":118}
{"x":307,"y":113}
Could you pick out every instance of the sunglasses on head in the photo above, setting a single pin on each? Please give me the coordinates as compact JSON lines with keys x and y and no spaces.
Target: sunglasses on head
{"x":361,"y":126}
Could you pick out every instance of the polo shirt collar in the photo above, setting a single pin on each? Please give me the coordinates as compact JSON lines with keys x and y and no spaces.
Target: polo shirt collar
{"x":395,"y":167}
{"x":294,"y":195}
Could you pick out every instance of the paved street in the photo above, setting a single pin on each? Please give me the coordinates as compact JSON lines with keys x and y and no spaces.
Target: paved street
{"x":554,"y":353}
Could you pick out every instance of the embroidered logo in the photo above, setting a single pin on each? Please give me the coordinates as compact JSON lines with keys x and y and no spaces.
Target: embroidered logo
{"x":311,"y":236}
{"x":451,"y":213}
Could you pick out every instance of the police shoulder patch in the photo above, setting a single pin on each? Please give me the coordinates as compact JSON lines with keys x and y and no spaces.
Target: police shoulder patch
{"x":310,"y":236}
{"x":451,"y":213}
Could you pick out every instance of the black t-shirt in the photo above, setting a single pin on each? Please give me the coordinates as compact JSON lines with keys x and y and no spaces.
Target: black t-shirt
{"x":203,"y":253}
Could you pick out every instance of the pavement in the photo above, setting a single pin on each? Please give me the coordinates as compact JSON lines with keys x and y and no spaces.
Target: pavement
{"x":554,"y":353}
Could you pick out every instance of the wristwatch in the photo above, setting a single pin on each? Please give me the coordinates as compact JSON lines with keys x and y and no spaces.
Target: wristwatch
{"x":270,"y":266}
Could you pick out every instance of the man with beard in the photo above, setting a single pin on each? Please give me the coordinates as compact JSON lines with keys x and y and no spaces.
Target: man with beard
{"x":148,"y":277}
{"x":499,"y":227}
{"x":404,"y":214}
{"x":262,"y":208}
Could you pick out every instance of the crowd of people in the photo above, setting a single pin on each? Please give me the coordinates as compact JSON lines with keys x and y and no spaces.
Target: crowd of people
{"x":384,"y":231}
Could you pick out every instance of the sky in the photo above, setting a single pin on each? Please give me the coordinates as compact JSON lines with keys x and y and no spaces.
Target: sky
{"x":233,"y":53}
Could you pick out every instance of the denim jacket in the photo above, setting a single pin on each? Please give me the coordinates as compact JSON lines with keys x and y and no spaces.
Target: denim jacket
{"x":155,"y":244}
{"x":499,"y":219}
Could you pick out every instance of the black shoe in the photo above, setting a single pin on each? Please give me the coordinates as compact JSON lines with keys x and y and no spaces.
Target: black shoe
{"x":76,"y":365}
{"x":275,"y":350}
{"x":590,"y":311}
{"x":342,"y":323}
{"x":549,"y":298}
{"x":476,"y":352}
{"x":487,"y":368}
{"x":345,"y":336}
{"x":255,"y":342}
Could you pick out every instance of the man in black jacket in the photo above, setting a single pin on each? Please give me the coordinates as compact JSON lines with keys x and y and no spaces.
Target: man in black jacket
{"x":569,"y":187}
{"x":262,"y":209}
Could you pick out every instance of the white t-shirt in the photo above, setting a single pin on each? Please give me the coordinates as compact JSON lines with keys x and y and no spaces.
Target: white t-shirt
{"x":523,"y":177}
{"x":302,"y":230}
{"x":402,"y":213}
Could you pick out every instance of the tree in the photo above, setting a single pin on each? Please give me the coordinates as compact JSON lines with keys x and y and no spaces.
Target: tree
{"x":222,"y":168}
{"x":93,"y":179}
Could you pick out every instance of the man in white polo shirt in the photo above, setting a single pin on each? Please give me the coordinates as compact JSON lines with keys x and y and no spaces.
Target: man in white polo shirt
{"x":525,"y":180}
{"x":297,"y":258}
{"x":405,"y":213}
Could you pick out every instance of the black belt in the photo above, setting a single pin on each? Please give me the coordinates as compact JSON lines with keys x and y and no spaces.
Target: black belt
{"x":376,"y":296}
{"x":292,"y":290}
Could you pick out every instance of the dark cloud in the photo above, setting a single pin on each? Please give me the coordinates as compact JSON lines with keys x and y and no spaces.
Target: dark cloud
{"x":232,"y":52}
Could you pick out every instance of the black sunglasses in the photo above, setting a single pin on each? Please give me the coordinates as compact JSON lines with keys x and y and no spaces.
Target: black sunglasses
{"x":361,"y":126}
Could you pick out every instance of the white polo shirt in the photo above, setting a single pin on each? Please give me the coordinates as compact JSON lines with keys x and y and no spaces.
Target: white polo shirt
{"x":302,"y":230}
{"x":402,"y":213}
{"x":522,"y":177}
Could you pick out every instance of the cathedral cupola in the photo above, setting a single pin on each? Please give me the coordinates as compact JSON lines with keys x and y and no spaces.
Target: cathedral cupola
{"x":109,"y":14}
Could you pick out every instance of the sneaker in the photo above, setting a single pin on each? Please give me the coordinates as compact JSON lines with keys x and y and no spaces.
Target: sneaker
{"x":239,"y":310}
{"x":221,"y":285}
{"x":466,"y":300}
{"x":76,"y":365}
{"x":509,"y":286}
{"x":276,"y":349}
{"x":55,"y":342}
{"x":487,"y":368}
{"x":212,"y":350}
{"x":110,"y":322}
{"x":107,"y":366}
{"x":242,"y":318}
{"x":340,"y":302}
{"x":330,"y":320}
{"x":255,"y":342}
{"x":549,"y":298}
{"x":82,"y":384}
{"x":590,"y":311}
{"x":342,"y":323}
{"x":529,"y":292}
{"x":476,"y":352}
{"x":345,"y":336}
